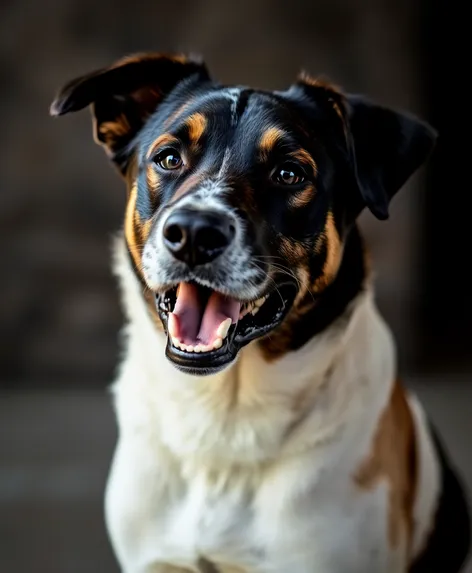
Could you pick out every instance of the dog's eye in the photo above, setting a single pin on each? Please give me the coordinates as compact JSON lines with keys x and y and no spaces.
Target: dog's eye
{"x":168,"y":159}
{"x":288,"y":174}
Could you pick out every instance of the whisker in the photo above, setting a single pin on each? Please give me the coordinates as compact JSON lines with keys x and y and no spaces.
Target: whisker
{"x":270,"y":278}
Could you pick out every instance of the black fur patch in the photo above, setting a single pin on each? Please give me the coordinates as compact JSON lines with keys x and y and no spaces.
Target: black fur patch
{"x":449,"y":542}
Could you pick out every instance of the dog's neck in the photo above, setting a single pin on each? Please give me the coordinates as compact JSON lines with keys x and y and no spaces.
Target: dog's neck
{"x":254,"y":409}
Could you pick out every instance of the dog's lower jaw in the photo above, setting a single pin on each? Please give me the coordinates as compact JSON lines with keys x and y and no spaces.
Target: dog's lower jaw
{"x":207,"y":371}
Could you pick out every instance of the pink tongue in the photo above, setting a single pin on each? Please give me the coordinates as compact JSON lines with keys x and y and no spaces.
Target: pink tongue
{"x":218,"y":309}
{"x":193,"y":328}
{"x":187,"y":310}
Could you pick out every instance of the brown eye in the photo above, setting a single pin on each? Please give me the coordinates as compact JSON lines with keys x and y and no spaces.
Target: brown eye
{"x":168,"y":160}
{"x":288,"y":174}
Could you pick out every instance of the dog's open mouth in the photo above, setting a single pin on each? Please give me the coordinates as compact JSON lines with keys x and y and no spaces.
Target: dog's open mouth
{"x":206,"y":328}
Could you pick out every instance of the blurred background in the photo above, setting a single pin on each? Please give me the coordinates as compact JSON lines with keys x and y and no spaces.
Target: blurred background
{"x":61,"y":202}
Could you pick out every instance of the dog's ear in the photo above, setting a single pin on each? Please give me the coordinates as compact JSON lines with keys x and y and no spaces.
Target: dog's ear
{"x":123,"y":96}
{"x":385,"y":146}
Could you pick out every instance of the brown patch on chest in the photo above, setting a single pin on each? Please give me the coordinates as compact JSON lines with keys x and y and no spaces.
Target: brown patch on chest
{"x":393,"y":458}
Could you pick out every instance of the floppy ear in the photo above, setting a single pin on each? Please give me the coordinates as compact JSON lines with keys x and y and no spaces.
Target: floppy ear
{"x":123,"y":96}
{"x":386,"y":148}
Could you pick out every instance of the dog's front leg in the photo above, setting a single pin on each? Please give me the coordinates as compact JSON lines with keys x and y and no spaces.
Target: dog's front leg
{"x":136,"y":504}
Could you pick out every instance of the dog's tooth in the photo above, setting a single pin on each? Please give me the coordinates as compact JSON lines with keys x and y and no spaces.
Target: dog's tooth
{"x":222,"y":330}
{"x":190,"y":348}
{"x":175,"y":342}
{"x":172,"y":325}
{"x":217,"y":343}
{"x":260,"y":301}
{"x":198,"y":348}
{"x":255,"y":310}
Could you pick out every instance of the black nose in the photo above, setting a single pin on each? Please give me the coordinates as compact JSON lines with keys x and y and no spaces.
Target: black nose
{"x":198,"y":237}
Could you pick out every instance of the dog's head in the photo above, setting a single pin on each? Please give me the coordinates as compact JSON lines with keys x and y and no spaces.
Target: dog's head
{"x":240,"y":200}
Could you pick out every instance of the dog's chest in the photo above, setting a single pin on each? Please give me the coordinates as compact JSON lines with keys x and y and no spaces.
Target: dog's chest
{"x":213,"y":519}
{"x":255,"y":522}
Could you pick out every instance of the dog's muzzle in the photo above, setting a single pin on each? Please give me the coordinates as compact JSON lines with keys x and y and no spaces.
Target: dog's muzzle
{"x":207,"y":323}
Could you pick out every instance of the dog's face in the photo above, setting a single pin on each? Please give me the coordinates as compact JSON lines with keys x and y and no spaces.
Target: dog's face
{"x":240,"y":200}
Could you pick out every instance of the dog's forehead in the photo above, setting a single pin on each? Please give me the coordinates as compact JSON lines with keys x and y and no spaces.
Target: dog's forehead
{"x":227,"y":114}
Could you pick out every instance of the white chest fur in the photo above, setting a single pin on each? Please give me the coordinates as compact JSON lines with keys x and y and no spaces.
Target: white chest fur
{"x":252,"y":468}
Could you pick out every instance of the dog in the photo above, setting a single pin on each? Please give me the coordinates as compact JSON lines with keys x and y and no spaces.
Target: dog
{"x":262,"y":425}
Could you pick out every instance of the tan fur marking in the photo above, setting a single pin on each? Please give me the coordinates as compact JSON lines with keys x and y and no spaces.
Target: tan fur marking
{"x":336,"y":99}
{"x":292,"y":250}
{"x":304,"y":157}
{"x":196,"y":123}
{"x":177,"y":113}
{"x":136,"y":230}
{"x":142,"y":57}
{"x":130,"y":233}
{"x":320,"y":82}
{"x":333,"y":254}
{"x":302,"y":198}
{"x":337,"y":109}
{"x":111,"y":130}
{"x":114,"y":129}
{"x":191,"y":181}
{"x":268,"y":139}
{"x":393,"y":458}
{"x":296,"y":255}
{"x":152,"y":180}
{"x":161,"y":141}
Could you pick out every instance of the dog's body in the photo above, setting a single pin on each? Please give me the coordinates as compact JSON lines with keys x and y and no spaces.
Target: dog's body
{"x":299,"y":451}
{"x":255,"y":474}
